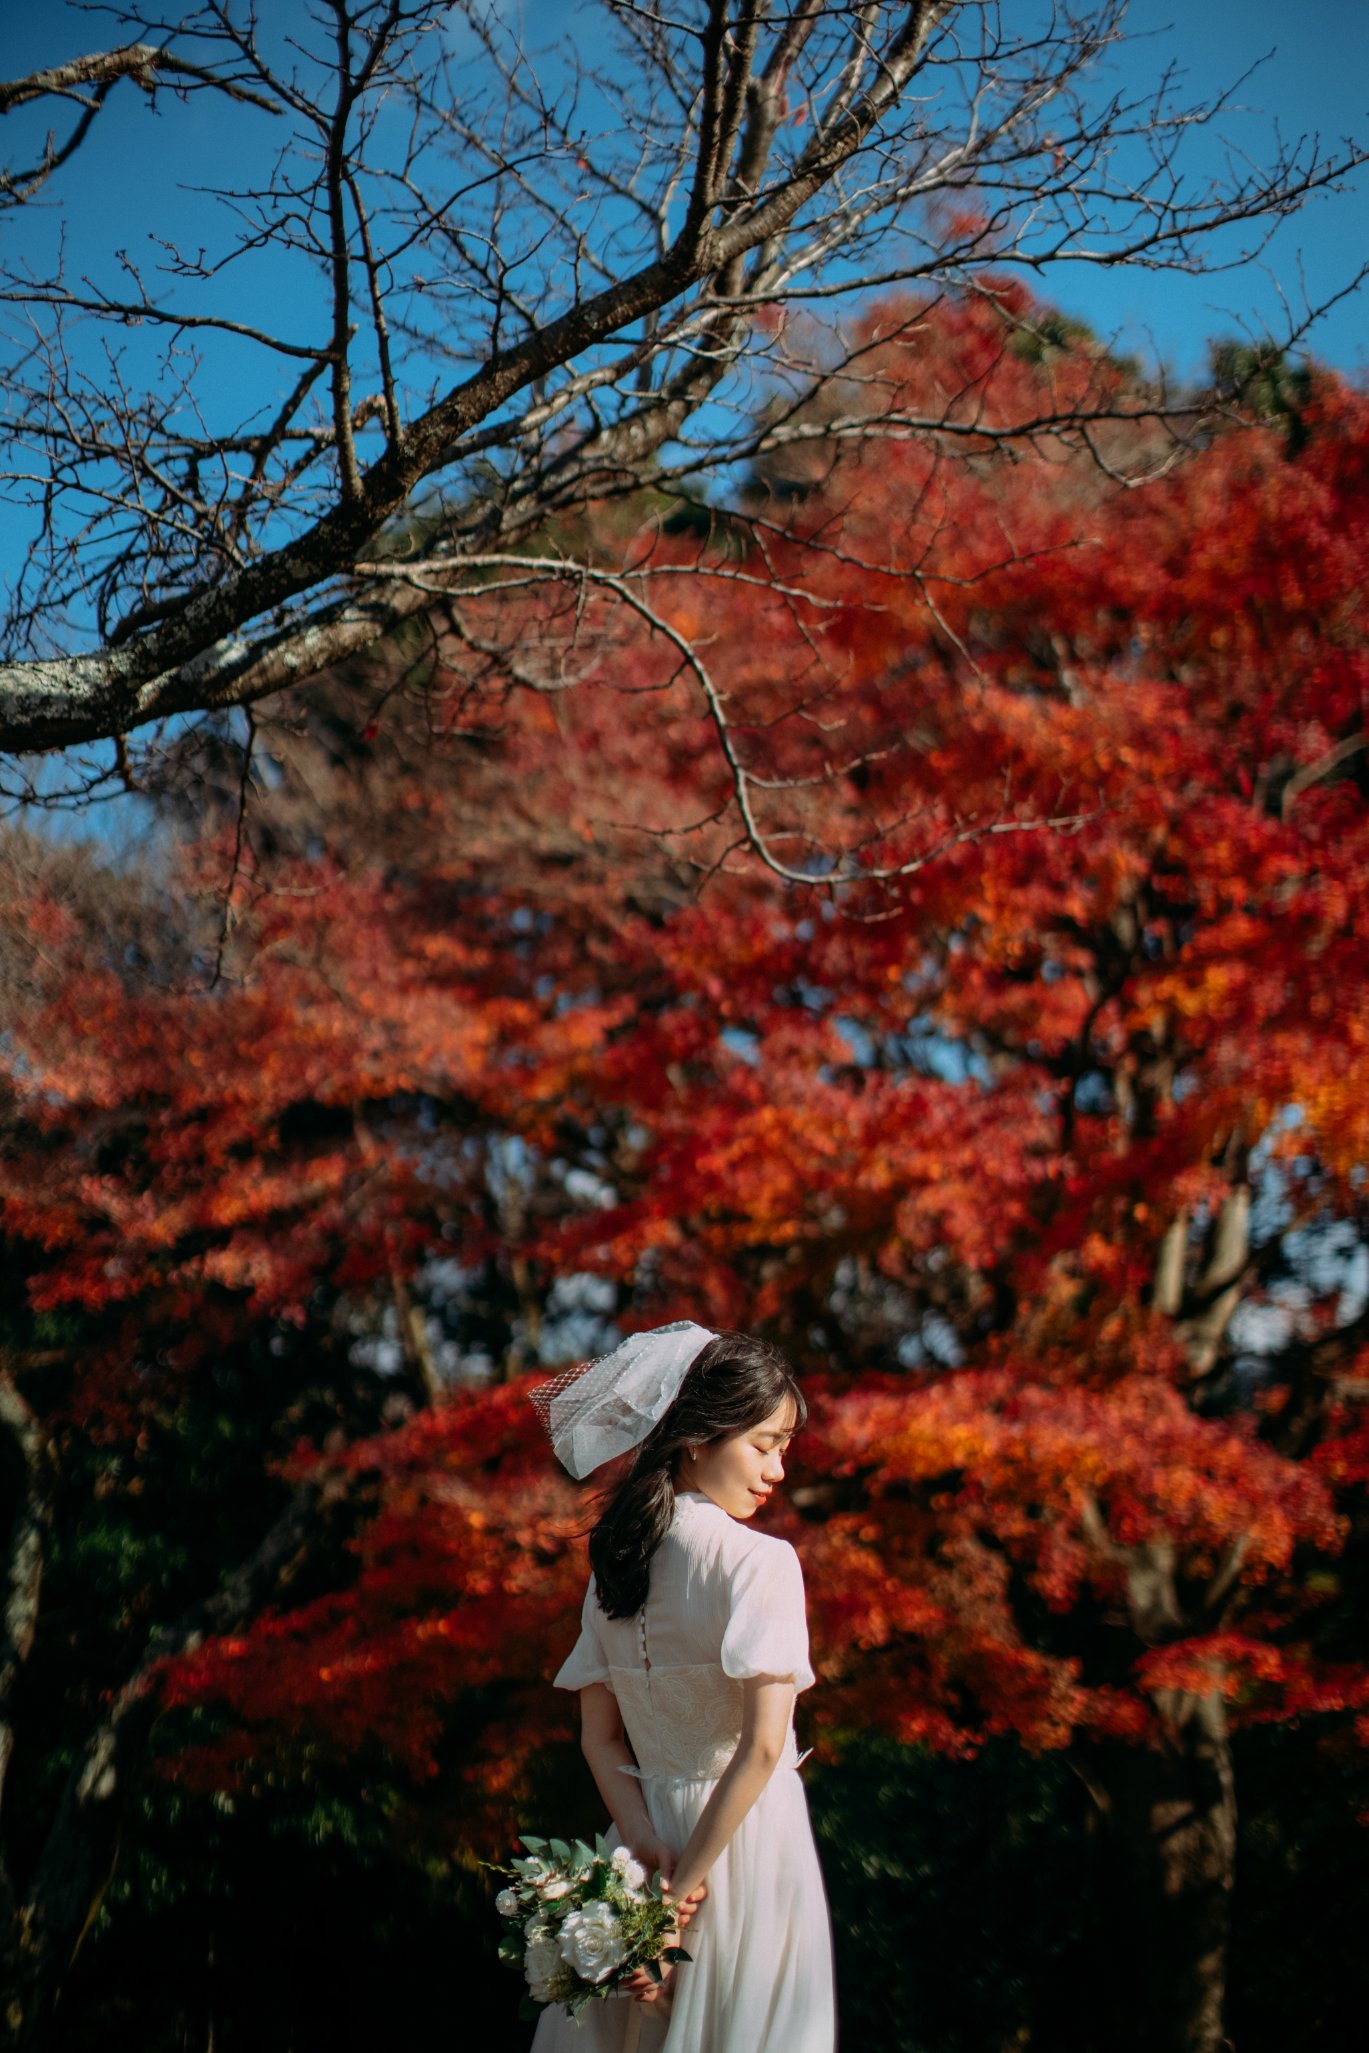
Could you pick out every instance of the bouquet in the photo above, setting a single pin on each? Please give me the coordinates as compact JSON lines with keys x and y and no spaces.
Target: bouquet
{"x":580,"y":1920}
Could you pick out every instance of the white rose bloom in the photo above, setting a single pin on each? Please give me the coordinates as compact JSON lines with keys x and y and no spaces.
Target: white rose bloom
{"x":506,"y":1903}
{"x":541,"y":1965}
{"x":592,"y":1941}
{"x":538,"y":1922}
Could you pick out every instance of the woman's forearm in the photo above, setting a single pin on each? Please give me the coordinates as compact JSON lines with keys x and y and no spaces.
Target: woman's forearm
{"x":622,"y":1793}
{"x":739,"y":1785}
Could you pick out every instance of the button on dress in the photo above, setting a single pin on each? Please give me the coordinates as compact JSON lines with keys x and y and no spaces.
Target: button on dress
{"x":725,"y":1603}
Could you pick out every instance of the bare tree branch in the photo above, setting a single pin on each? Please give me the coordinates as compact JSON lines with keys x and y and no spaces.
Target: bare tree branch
{"x":592,"y":302}
{"x":145,"y":63}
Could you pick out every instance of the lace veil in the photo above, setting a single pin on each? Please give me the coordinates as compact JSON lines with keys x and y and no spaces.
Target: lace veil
{"x":612,"y":1403}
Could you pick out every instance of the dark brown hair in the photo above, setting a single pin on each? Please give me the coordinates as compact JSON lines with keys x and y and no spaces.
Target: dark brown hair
{"x":734,"y":1382}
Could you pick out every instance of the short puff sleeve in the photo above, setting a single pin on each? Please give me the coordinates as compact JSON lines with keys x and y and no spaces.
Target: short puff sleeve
{"x":767,"y":1632}
{"x":585,"y":1663}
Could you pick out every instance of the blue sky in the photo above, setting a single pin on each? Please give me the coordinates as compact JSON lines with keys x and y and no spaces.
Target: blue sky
{"x":1314,"y":77}
{"x":136,"y":179}
{"x":1315,"y":80}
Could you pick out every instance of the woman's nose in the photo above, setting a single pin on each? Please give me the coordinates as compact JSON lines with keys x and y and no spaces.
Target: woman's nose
{"x":773,"y":1471}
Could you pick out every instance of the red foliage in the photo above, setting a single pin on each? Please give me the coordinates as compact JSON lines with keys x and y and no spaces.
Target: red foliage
{"x":464,"y":1579}
{"x":992,"y":1097}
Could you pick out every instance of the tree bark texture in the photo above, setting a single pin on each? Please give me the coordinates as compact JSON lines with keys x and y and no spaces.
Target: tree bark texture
{"x":46,"y":1917}
{"x":1169,"y":1841}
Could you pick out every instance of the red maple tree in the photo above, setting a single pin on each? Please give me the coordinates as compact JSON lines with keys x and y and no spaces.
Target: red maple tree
{"x":930,"y":930}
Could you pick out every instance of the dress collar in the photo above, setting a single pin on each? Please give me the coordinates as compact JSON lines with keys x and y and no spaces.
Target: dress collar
{"x":700,"y":1498}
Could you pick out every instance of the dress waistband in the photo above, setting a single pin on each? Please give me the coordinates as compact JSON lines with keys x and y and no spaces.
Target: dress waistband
{"x":674,"y":1781}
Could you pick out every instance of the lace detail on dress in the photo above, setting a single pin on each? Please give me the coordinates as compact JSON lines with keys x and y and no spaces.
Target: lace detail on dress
{"x":683,"y":1721}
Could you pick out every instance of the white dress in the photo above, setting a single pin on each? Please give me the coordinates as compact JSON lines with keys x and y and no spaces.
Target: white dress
{"x":725,"y":1602}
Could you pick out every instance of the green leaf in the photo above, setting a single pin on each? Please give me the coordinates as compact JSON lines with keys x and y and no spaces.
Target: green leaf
{"x":559,"y":1850}
{"x":653,"y":1968}
{"x":534,"y":1846}
{"x":675,"y":1954}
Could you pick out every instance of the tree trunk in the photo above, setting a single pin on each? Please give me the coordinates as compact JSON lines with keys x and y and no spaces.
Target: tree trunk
{"x":41,"y":1930}
{"x":1169,"y":1813}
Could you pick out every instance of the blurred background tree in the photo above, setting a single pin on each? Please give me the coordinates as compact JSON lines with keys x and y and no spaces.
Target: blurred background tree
{"x":433,"y":258}
{"x":1002,"y":1070}
{"x":677,"y":800}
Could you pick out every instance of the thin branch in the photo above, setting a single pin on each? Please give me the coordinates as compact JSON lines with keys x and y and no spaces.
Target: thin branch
{"x":743,"y":782}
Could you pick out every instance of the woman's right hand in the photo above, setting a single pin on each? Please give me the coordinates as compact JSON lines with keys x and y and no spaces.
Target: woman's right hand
{"x":653,"y":1853}
{"x":644,"y":1987}
{"x":687,"y":1905}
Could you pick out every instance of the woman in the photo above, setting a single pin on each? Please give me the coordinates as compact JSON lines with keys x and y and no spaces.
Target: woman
{"x":693,"y":1646}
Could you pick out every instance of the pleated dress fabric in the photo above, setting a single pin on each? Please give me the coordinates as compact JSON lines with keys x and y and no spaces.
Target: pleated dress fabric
{"x":725,"y":1603}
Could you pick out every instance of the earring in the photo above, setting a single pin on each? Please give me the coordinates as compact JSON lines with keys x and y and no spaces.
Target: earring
{"x":693,"y":1453}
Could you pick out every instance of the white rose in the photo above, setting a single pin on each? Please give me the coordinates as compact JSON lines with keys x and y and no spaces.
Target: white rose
{"x":592,"y":1941}
{"x":506,"y":1903}
{"x":541,"y":1965}
{"x":538,"y":1922}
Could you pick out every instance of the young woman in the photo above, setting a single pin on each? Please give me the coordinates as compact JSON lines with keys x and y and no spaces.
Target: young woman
{"x":693,"y":1646}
